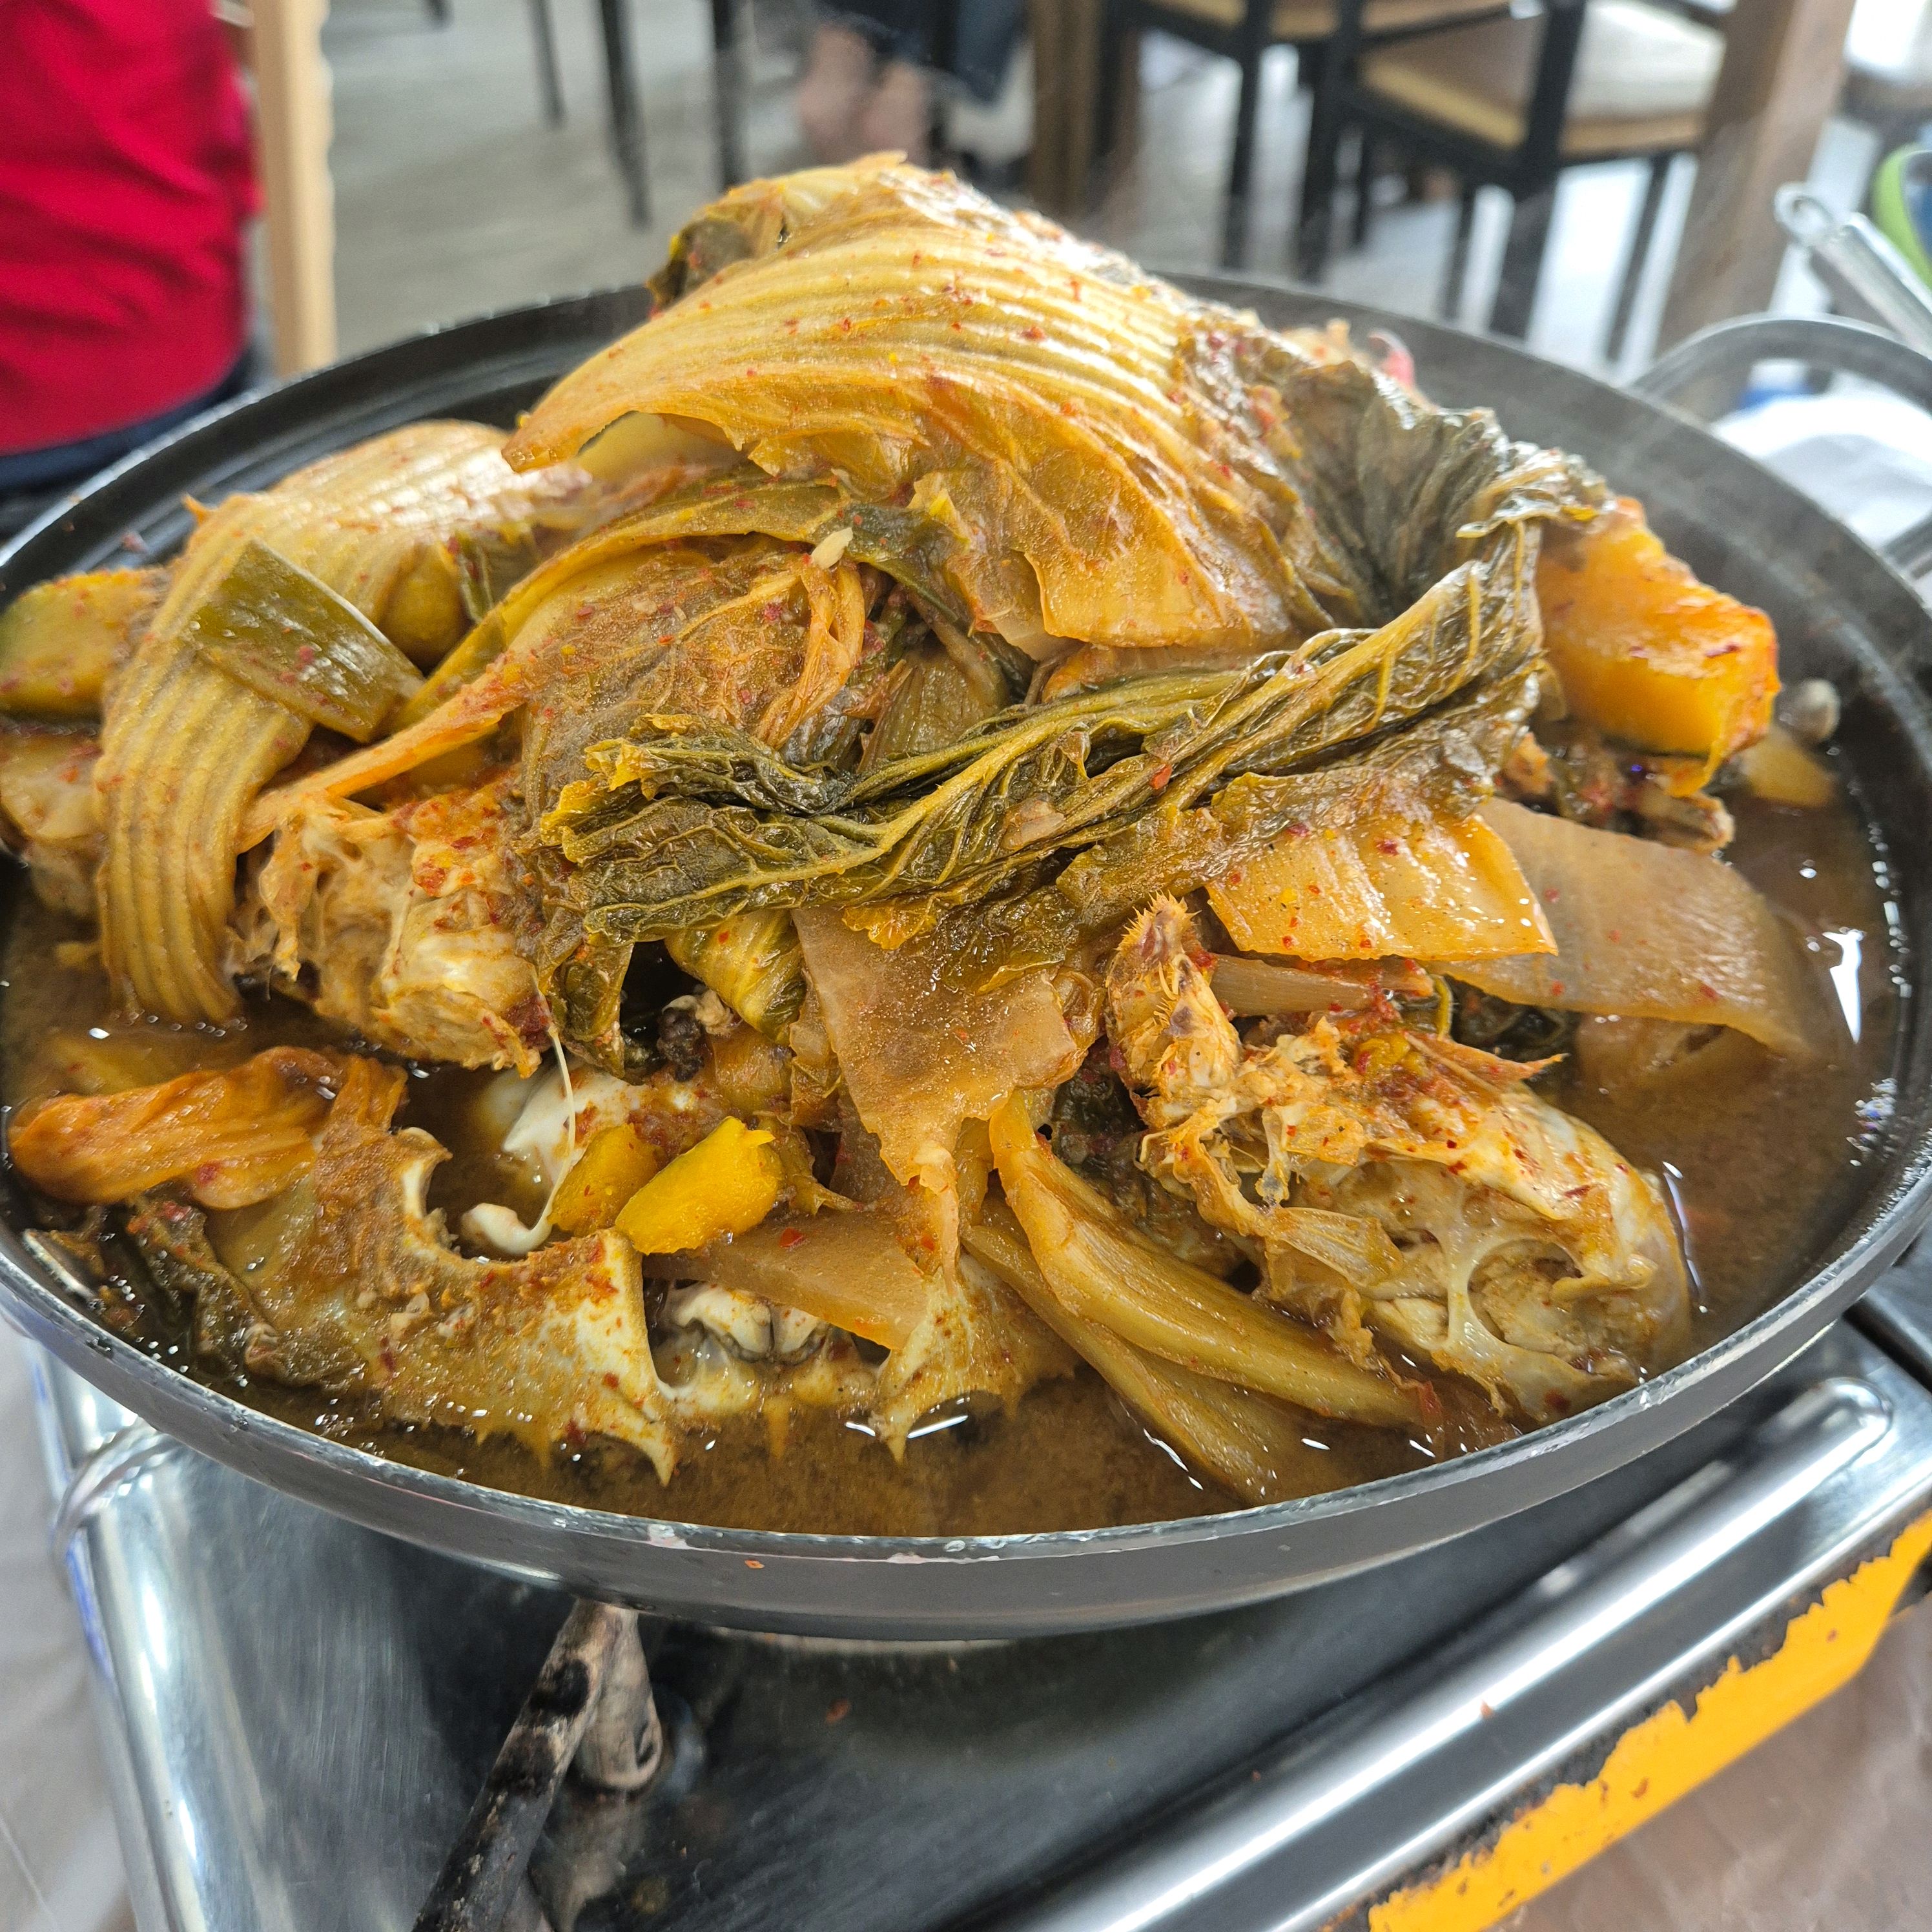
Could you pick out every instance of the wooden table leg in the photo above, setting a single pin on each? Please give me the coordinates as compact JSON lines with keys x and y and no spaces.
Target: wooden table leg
{"x":1783,"y":62}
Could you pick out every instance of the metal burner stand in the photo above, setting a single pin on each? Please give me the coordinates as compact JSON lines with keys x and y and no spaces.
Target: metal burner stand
{"x":299,"y":1713}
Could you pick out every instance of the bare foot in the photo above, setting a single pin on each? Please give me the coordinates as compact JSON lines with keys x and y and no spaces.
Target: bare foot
{"x":833,"y":94}
{"x":899,"y":115}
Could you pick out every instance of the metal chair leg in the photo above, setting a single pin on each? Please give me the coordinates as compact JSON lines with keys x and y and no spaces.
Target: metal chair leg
{"x":1241,"y":162}
{"x":627,"y":124}
{"x":1107,"y":83}
{"x":728,"y":67}
{"x":1457,"y":273}
{"x":1639,"y":253}
{"x":550,"y":75}
{"x":1314,"y":225}
{"x":1522,"y":262}
{"x":1365,"y":188}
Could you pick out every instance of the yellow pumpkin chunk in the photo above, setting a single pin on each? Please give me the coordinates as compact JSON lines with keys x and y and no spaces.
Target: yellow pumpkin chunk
{"x":1645,"y":652}
{"x":616,"y":1162}
{"x":60,"y":642}
{"x":1386,"y":877}
{"x":725,"y":1185}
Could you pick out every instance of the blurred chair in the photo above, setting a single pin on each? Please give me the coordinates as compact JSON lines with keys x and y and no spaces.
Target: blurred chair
{"x":1510,"y":103}
{"x":620,"y":81}
{"x":1243,"y":31}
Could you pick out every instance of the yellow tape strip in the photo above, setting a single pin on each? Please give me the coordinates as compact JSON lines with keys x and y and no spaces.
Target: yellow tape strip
{"x":1658,"y":1760}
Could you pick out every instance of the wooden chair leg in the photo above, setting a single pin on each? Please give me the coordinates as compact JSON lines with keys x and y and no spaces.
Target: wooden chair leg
{"x":1314,"y":226}
{"x":550,"y":75}
{"x":1457,"y":273}
{"x":1365,"y":187}
{"x":627,"y":124}
{"x":1241,"y":162}
{"x":728,"y":68}
{"x":292,"y":131}
{"x":1522,"y":262}
{"x":1639,"y":253}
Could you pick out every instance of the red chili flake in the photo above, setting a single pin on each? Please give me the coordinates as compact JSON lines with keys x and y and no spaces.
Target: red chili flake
{"x":791,"y":1237}
{"x":1387,"y":845}
{"x":1556,"y":989}
{"x":1709,"y":991}
{"x":1034,"y":332}
{"x":839,"y":1710}
{"x":1551,"y":894}
{"x":610,"y":1378}
{"x":1157,"y":778}
{"x":752,"y":1563}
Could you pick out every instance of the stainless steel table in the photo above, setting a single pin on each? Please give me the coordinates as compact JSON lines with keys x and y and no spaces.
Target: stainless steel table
{"x":297,"y":1711}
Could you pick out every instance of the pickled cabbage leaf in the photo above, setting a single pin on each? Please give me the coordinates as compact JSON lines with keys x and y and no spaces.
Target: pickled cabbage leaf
{"x":689,"y":821}
{"x":1649,"y":932}
{"x":1094,"y":455}
{"x":1370,"y":869}
{"x":920,"y":1060}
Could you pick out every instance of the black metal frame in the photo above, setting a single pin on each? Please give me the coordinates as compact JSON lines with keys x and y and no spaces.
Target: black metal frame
{"x":1528,"y":171}
{"x":1244,"y":44}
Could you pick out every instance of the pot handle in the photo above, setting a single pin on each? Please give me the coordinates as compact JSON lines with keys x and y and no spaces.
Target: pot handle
{"x":1704,"y":374}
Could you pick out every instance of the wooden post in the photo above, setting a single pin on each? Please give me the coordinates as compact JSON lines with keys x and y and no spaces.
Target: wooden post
{"x":1783,"y":62}
{"x":1069,"y":43}
{"x":292,"y":133}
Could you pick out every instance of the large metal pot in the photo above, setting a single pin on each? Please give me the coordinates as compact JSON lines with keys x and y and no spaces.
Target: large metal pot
{"x":1841,"y":612}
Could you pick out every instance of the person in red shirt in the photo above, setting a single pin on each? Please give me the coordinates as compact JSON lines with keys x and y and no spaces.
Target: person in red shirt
{"x":126,"y":187}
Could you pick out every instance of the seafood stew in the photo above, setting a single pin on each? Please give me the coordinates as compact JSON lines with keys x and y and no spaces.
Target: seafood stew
{"x":1038,"y":1039}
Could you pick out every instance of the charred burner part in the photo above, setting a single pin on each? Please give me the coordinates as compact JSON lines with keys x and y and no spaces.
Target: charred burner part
{"x":591,"y":1706}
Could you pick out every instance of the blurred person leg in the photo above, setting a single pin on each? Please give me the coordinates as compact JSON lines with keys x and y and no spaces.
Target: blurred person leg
{"x":899,"y":116}
{"x":866,"y":86}
{"x":840,"y":74}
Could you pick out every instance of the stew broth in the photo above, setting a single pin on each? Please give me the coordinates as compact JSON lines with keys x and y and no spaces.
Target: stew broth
{"x":1759,"y":1155}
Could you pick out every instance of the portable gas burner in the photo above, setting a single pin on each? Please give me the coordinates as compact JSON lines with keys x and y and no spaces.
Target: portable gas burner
{"x":301,"y":1714}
